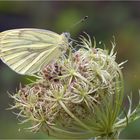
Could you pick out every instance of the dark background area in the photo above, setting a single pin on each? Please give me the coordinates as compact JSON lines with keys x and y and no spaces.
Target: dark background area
{"x":121,"y":19}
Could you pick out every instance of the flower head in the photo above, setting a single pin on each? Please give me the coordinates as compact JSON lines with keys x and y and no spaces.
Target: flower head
{"x":78,"y":96}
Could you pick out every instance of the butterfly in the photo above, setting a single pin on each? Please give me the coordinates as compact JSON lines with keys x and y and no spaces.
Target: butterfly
{"x":28,"y":50}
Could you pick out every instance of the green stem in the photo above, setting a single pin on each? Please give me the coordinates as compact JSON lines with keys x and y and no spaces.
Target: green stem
{"x":114,"y":136}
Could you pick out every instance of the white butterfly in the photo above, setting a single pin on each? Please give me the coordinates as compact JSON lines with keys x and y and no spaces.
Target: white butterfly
{"x":28,"y":50}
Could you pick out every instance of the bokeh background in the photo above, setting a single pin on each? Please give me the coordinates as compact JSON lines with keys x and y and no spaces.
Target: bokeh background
{"x":106,"y":19}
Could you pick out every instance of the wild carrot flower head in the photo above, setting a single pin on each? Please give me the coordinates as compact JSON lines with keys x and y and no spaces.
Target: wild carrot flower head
{"x":78,"y":96}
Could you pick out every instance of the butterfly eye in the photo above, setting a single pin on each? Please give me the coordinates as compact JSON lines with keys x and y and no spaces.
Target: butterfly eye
{"x":67,"y":35}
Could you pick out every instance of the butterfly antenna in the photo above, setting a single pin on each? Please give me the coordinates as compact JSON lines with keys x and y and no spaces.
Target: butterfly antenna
{"x":80,"y":21}
{"x":74,"y":25}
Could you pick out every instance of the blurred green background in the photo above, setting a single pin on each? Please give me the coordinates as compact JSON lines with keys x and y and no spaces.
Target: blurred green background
{"x":121,"y":19}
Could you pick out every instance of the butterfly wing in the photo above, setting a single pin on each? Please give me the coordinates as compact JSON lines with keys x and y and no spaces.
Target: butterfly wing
{"x":27,"y":50}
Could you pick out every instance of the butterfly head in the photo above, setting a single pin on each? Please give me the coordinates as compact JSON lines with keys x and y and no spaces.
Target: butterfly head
{"x":65,"y":38}
{"x":66,"y":34}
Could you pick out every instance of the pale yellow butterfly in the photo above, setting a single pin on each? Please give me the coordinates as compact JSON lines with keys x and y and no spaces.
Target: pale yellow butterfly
{"x":28,"y":50}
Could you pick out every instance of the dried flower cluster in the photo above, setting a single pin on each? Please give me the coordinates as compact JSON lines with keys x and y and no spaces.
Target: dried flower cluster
{"x":78,"y":96}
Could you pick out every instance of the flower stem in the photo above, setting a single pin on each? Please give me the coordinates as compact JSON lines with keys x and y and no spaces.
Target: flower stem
{"x":114,"y":136}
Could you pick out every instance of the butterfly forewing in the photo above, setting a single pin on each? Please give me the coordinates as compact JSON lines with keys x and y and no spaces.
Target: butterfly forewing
{"x":27,"y":50}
